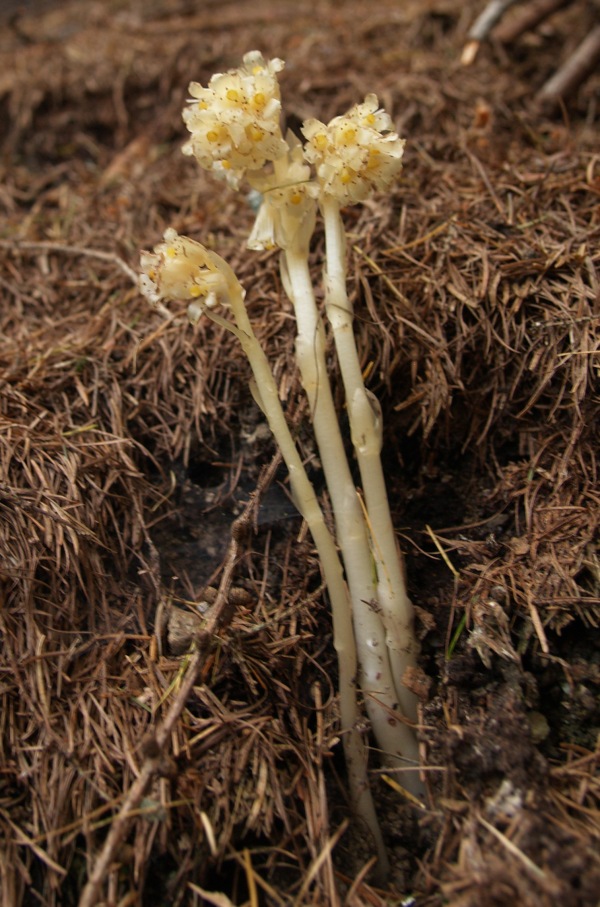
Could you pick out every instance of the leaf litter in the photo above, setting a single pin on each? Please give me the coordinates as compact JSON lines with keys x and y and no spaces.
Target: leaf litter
{"x":130,"y":446}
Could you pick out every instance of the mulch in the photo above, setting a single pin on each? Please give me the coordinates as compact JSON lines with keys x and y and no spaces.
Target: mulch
{"x":136,"y":477}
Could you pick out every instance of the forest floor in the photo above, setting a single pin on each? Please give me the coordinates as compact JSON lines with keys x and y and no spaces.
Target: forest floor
{"x":130,"y":444}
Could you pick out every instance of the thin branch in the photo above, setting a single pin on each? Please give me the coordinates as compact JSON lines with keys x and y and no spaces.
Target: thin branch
{"x":574,"y":71}
{"x":529,"y":17}
{"x":482,"y":26}
{"x":26,"y":246}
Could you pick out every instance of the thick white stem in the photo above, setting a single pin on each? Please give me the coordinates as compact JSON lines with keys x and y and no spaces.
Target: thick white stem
{"x":395,"y":738}
{"x":308,"y":505}
{"x":365,"y":425}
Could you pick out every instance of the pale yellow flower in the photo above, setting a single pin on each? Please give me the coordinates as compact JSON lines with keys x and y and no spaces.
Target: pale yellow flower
{"x":180,"y":268}
{"x":234,"y":122}
{"x":355,"y":153}
{"x":286,"y":217}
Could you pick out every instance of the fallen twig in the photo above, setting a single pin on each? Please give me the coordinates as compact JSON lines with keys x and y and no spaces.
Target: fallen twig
{"x":574,"y":70}
{"x":482,"y":26}
{"x":26,"y":246}
{"x":527,"y":18}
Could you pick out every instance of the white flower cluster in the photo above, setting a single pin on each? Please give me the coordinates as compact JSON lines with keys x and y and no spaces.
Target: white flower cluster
{"x":180,"y":268}
{"x":235,"y":131}
{"x":355,"y":153}
{"x":234,"y":122}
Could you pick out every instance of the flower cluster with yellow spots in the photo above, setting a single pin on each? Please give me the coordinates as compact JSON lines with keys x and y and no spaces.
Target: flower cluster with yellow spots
{"x":235,"y":131}
{"x":180,"y":268}
{"x":234,"y":122}
{"x":355,"y":153}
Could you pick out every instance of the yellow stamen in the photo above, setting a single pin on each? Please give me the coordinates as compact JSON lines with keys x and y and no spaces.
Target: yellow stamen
{"x":320,"y":141}
{"x":233,"y":95}
{"x":259,"y":99}
{"x":195,"y":291}
{"x":373,"y":161}
{"x":345,"y":176}
{"x":152,"y":274}
{"x":202,"y":105}
{"x":212,"y":136}
{"x":225,"y":165}
{"x":296,"y":197}
{"x":370,"y":119}
{"x":171,"y":252}
{"x":348,"y":135}
{"x":254,"y":133}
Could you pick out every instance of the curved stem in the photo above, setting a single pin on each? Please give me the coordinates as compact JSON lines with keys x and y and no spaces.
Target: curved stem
{"x":308,"y":505}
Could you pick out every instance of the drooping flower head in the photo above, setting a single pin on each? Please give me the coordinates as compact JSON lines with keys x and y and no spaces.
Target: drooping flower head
{"x":180,"y":268}
{"x":234,"y":122}
{"x":355,"y":153}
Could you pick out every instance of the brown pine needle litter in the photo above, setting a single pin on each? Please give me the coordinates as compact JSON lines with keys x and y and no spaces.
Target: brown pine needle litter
{"x":159,"y":751}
